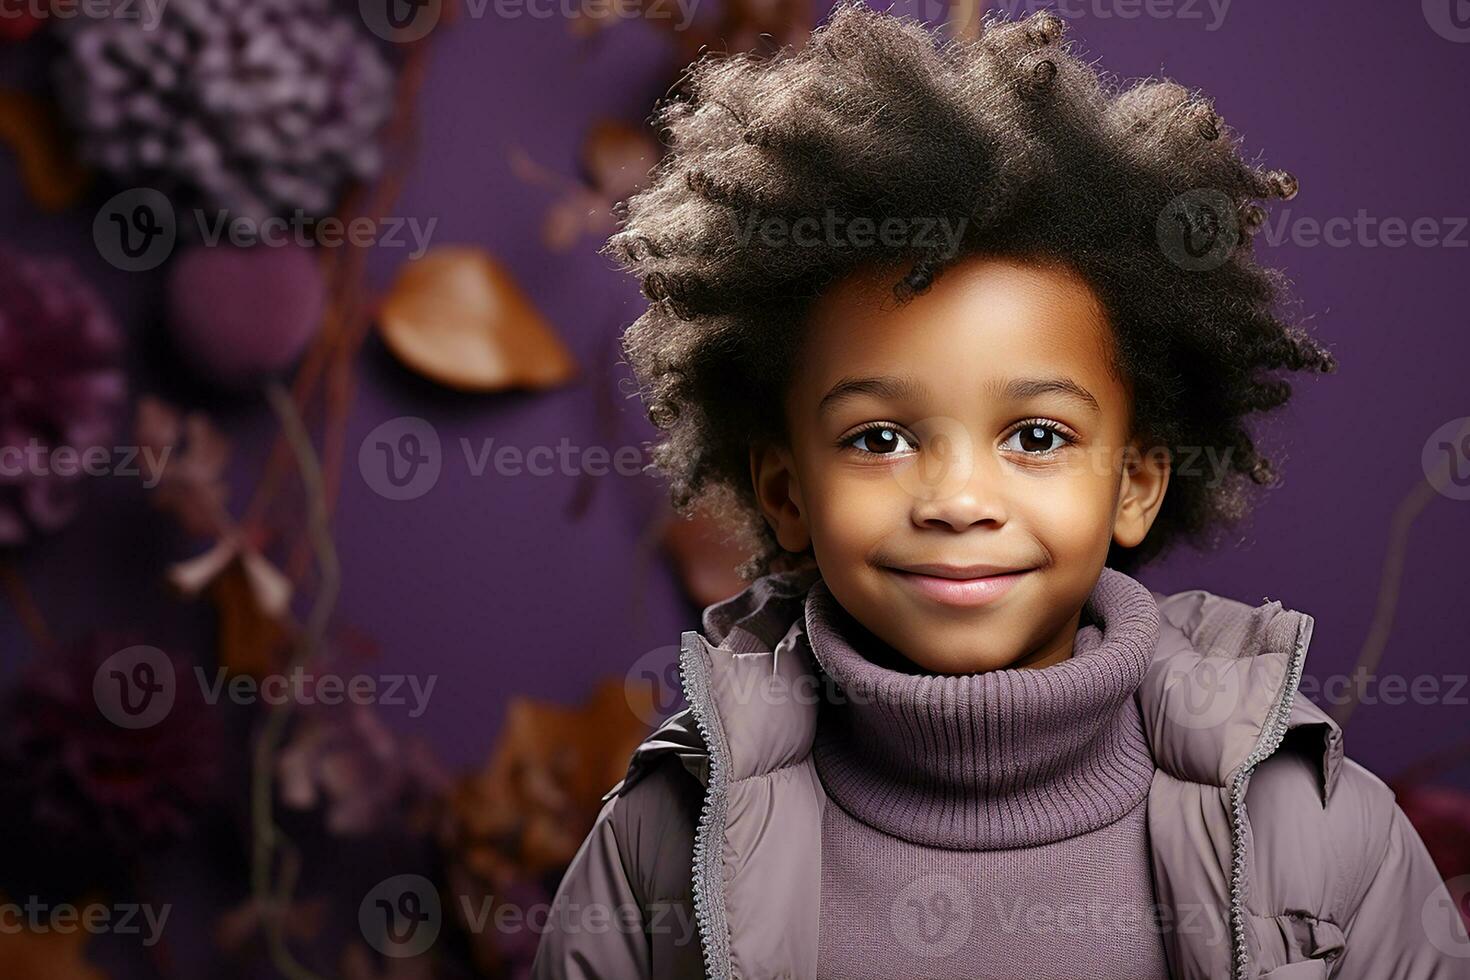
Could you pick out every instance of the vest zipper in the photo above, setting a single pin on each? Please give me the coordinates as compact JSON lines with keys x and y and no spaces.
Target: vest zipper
{"x":1272,"y":734}
{"x":709,"y":886}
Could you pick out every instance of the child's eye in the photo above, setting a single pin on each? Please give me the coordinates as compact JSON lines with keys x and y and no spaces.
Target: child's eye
{"x":1034,"y":438}
{"x":881,"y":439}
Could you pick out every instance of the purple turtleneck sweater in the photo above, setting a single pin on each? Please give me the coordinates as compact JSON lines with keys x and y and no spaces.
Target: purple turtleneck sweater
{"x":989,"y":825}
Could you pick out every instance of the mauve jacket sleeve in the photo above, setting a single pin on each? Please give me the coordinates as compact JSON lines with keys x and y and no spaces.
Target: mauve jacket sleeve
{"x":595,"y":930}
{"x":624,"y":910}
{"x":1406,"y":926}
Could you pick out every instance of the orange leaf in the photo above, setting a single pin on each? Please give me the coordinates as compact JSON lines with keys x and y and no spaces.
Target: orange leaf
{"x":457,"y":317}
{"x":53,"y":953}
{"x":52,"y":176}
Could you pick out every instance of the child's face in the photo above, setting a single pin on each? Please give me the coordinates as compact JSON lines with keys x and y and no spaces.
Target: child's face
{"x":918,"y":435}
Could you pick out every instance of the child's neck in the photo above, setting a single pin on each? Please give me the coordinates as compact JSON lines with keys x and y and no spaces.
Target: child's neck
{"x":1054,"y":650}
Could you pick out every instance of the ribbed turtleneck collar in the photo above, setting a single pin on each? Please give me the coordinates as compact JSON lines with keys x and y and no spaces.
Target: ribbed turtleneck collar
{"x":1007,"y":758}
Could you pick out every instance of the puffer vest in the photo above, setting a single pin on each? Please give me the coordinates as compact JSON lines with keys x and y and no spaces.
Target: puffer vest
{"x":1234,"y":747}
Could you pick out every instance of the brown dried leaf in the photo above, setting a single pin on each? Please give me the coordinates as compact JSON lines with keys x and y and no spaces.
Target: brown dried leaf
{"x":55,"y":954}
{"x":457,"y":317}
{"x":53,"y":178}
{"x":527,"y":811}
{"x":251,"y":641}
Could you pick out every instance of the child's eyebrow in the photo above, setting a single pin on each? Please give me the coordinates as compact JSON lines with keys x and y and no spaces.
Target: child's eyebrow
{"x":883,"y":386}
{"x":1019,"y":389}
{"x":900,"y":389}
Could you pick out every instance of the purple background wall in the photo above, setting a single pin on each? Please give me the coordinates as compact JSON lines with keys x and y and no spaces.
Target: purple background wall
{"x":485,"y":582}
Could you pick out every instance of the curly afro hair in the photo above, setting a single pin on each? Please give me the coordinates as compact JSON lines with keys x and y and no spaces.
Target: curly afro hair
{"x":1012,"y":138}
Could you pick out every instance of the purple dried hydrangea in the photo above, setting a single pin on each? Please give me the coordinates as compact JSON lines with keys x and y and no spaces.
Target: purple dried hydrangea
{"x":61,"y":386}
{"x":254,"y":107}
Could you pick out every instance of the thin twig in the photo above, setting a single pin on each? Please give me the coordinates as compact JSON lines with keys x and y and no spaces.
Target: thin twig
{"x":353,"y":316}
{"x":340,"y":337}
{"x":274,"y":900}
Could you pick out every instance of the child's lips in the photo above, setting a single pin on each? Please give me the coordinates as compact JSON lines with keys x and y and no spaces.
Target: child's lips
{"x":974,"y":591}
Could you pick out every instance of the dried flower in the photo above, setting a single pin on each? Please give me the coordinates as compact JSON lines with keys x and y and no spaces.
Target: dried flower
{"x":254,"y":107}
{"x":90,"y":785}
{"x":61,"y":384}
{"x":345,"y":759}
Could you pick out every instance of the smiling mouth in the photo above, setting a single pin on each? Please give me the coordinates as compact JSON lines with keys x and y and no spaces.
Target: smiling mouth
{"x":955,"y":587}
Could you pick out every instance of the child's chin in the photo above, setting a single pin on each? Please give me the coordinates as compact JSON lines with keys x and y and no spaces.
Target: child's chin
{"x":961,"y":661}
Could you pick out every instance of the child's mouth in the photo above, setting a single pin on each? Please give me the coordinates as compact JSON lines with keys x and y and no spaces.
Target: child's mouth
{"x":958,"y":587}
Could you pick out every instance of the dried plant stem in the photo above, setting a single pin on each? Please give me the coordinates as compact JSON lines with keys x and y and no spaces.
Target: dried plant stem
{"x":273,"y":898}
{"x":347,"y":316}
{"x":355,"y":314}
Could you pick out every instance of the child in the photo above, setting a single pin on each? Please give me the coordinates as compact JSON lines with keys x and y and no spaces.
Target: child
{"x":959,"y":337}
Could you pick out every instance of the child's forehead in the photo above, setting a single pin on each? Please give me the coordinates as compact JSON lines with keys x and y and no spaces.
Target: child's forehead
{"x":984,"y":320}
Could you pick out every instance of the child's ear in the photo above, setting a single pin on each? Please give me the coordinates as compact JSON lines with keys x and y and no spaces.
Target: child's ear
{"x":773,"y":475}
{"x":1145,"y":478}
